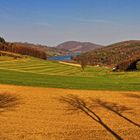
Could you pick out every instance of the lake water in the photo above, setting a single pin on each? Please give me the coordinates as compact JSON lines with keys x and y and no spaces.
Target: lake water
{"x":60,"y":58}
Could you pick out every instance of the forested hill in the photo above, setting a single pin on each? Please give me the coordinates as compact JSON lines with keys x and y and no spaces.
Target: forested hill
{"x":113,"y":54}
{"x":78,"y":47}
{"x":20,"y":49}
{"x":51,"y":51}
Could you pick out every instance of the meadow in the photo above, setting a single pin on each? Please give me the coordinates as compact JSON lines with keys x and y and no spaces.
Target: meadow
{"x":30,"y":71}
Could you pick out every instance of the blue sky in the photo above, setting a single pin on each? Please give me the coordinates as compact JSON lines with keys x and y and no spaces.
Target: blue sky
{"x":52,"y":22}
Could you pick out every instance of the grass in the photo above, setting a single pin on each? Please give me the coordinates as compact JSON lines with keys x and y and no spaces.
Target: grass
{"x":6,"y":58}
{"x":35,"y":72}
{"x":31,"y":113}
{"x":138,"y":65}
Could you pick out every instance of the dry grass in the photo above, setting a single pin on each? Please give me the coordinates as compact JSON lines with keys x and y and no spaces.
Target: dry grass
{"x":57,"y":114}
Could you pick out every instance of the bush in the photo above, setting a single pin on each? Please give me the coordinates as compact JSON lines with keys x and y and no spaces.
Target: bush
{"x":2,"y":40}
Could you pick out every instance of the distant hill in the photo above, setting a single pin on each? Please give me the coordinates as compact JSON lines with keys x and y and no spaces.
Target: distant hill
{"x":120,"y":54}
{"x":78,"y":47}
{"x":51,"y":51}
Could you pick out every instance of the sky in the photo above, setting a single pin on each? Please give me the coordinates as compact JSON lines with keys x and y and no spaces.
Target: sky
{"x":51,"y":22}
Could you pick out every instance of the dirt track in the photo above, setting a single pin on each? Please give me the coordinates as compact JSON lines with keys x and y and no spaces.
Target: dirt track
{"x":31,"y":113}
{"x":71,"y":64}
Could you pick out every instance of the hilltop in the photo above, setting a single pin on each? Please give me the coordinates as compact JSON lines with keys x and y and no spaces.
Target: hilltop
{"x":78,"y":47}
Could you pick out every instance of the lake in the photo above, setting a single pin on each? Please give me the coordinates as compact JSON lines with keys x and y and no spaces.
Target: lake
{"x":60,"y":58}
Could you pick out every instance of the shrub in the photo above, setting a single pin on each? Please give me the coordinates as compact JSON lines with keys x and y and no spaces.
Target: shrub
{"x":2,"y":40}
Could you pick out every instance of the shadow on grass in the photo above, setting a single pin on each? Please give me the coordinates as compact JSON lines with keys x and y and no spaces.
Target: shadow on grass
{"x":76,"y":104}
{"x":8,"y":102}
{"x":115,"y":108}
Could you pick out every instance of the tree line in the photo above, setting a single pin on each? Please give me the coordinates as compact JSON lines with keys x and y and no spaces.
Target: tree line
{"x":16,"y":48}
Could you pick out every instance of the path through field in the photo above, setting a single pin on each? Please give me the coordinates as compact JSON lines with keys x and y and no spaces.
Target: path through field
{"x":30,"y":113}
{"x":71,"y":64}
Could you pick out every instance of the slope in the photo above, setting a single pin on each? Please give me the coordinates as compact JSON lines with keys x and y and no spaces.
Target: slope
{"x":114,"y":54}
{"x":78,"y":47}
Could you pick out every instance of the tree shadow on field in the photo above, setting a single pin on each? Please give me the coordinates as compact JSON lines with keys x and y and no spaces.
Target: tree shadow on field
{"x":117,"y":109}
{"x":8,"y":102}
{"x":132,"y":95}
{"x":76,"y":104}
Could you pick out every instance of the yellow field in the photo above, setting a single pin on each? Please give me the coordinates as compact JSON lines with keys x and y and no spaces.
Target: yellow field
{"x":28,"y":113}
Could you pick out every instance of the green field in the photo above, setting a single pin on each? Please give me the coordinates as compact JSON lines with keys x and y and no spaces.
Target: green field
{"x":35,"y":72}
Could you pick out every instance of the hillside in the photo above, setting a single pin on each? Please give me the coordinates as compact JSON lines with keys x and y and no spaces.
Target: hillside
{"x":6,"y":48}
{"x":113,"y":55}
{"x":51,"y":51}
{"x":78,"y":47}
{"x":9,"y":54}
